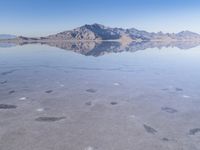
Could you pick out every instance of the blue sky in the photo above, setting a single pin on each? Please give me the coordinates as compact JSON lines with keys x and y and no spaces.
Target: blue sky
{"x":43,"y":17}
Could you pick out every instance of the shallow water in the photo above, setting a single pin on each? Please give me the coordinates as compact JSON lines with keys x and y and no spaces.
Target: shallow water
{"x":60,"y":99}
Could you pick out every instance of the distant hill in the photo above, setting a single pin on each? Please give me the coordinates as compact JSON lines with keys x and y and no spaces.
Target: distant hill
{"x":7,"y":36}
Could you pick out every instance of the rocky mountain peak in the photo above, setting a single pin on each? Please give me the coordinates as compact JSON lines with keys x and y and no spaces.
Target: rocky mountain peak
{"x":100,"y":32}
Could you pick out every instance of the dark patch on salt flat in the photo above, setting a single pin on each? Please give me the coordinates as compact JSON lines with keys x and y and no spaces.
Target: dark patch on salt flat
{"x":7,"y":106}
{"x":84,"y":68}
{"x":150,"y":129}
{"x":49,"y":119}
{"x":66,"y":71}
{"x":171,"y":89}
{"x":4,"y":82}
{"x":165,"y":89}
{"x":165,"y":139}
{"x":113,"y":103}
{"x":88,"y":103}
{"x":169,"y":110}
{"x":91,"y":90}
{"x":179,"y":89}
{"x":49,"y":91}
{"x":194,"y":131}
{"x":11,"y":92}
{"x":7,"y":72}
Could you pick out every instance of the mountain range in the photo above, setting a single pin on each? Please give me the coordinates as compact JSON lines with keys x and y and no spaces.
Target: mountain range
{"x":101,"y":32}
{"x":98,"y":32}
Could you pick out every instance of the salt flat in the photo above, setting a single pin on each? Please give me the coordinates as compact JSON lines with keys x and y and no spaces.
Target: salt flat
{"x":53,"y":99}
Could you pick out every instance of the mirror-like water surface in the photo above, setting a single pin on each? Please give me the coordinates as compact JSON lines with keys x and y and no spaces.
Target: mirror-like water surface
{"x":91,"y":97}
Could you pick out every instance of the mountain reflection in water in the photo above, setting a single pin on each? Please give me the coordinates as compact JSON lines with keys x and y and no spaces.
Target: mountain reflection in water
{"x":99,"y":48}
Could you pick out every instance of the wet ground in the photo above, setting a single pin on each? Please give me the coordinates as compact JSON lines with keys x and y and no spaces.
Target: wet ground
{"x":53,"y":99}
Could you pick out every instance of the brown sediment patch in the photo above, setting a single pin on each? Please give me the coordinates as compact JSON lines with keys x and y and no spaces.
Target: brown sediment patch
{"x":149,"y":129}
{"x":7,"y":106}
{"x":49,"y":119}
{"x":169,"y":110}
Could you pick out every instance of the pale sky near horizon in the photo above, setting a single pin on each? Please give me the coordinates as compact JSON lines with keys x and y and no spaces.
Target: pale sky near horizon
{"x":43,"y":17}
